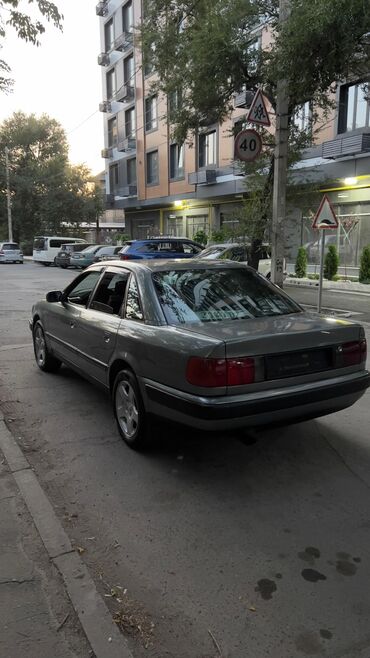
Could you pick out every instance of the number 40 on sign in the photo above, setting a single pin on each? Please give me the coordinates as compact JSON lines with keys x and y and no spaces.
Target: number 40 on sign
{"x":248,"y":145}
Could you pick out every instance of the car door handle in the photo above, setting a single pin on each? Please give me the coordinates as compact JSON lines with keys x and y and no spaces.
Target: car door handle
{"x":106,"y":338}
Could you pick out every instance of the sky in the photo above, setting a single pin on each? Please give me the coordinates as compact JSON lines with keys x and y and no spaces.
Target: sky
{"x":62,"y":79}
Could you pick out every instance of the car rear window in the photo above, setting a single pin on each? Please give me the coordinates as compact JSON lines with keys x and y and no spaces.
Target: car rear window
{"x":10,"y":246}
{"x":218,"y":294}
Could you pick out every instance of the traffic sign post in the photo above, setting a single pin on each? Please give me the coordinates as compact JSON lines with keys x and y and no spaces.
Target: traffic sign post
{"x":258,"y":113}
{"x":325,"y":218}
{"x":247,"y":145}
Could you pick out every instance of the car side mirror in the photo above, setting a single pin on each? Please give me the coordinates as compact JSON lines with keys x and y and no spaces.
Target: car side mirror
{"x":54,"y":296}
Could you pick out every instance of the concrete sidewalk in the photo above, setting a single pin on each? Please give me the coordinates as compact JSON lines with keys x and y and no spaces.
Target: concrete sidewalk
{"x":331,"y":285}
{"x":37,"y":618}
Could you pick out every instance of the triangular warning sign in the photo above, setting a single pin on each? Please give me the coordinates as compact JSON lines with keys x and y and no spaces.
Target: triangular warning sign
{"x":258,"y":113}
{"x":325,"y":216}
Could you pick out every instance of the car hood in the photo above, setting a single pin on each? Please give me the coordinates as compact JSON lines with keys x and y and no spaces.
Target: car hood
{"x":275,"y":334}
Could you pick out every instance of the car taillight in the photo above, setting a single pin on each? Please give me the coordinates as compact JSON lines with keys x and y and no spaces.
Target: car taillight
{"x":210,"y":373}
{"x":354,"y":353}
{"x":124,"y":257}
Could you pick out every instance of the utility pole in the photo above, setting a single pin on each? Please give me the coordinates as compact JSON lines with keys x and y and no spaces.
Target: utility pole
{"x":9,"y":203}
{"x":280,"y":170}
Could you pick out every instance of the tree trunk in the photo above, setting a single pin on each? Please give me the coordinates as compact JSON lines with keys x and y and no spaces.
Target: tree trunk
{"x":265,"y":205}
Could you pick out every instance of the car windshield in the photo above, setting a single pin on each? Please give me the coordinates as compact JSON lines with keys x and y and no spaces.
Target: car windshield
{"x":218,"y":294}
{"x":212,"y":253}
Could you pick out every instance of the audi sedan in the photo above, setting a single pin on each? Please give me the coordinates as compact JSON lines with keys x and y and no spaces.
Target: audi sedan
{"x":209,"y":344}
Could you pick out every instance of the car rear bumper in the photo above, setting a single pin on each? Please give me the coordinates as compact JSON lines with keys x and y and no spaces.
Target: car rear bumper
{"x":263,"y":408}
{"x":11,"y":259}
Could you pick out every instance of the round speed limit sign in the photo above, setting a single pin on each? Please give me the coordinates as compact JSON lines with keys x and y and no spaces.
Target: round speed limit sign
{"x":248,"y":145}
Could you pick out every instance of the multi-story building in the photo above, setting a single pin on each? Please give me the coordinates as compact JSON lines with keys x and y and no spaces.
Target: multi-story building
{"x":166,"y":188}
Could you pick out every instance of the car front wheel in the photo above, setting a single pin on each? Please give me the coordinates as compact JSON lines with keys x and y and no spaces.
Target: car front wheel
{"x":129,"y":410}
{"x":44,"y":359}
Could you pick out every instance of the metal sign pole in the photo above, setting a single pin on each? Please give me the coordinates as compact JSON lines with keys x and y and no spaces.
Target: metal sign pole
{"x":322,"y":258}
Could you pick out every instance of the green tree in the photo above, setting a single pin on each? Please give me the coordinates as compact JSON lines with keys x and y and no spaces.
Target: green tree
{"x":47,"y":192}
{"x":301,"y":263}
{"x":331,"y":263}
{"x":205,"y":49}
{"x":364,"y":275}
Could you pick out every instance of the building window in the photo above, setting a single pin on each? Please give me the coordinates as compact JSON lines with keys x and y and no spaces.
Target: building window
{"x":129,"y":71}
{"x":354,"y":108}
{"x":151,"y":113}
{"x":127,"y":17}
{"x":113,"y":178}
{"x":152,"y":168}
{"x":302,"y":117}
{"x":111,"y":84}
{"x":131,"y":171}
{"x":112,"y":132}
{"x":148,"y":62}
{"x":207,"y":154}
{"x":174,"y":102}
{"x":130,"y":122}
{"x":176,"y":161}
{"x":109,"y":35}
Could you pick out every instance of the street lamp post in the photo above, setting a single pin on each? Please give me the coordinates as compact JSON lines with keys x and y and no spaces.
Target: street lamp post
{"x":9,"y":203}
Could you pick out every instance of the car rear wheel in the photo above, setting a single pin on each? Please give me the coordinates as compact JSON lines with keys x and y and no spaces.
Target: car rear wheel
{"x":44,"y":359}
{"x":129,"y":410}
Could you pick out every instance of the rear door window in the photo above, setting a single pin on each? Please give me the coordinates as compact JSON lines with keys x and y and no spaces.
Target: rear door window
{"x":133,"y":304}
{"x":110,"y":293}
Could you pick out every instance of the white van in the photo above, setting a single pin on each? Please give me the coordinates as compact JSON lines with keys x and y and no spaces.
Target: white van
{"x":46,"y":247}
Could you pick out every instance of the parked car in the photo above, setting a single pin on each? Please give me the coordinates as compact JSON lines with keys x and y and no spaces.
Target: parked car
{"x":206,"y":343}
{"x":10,"y":252}
{"x":241,"y":254}
{"x":346,"y":251}
{"x":81,"y":259}
{"x":63,"y":257}
{"x":159,"y":248}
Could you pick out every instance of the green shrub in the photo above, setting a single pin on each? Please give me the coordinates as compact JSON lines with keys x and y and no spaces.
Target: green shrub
{"x":218,"y":236}
{"x":364,"y":275}
{"x":200,"y":237}
{"x":331,"y":263}
{"x":301,"y":263}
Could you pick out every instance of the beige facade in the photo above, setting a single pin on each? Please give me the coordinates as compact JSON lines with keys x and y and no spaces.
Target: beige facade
{"x":163,"y":192}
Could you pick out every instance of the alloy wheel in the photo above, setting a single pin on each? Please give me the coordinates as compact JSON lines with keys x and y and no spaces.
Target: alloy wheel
{"x":127,"y":408}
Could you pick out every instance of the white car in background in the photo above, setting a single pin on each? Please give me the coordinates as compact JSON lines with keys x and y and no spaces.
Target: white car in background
{"x":10,"y":252}
{"x":240,"y":253}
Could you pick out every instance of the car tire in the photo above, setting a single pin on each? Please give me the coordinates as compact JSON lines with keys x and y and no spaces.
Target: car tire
{"x":45,"y":361}
{"x":129,"y":411}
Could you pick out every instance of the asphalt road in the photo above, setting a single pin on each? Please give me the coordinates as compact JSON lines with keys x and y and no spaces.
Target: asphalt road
{"x":221,"y":548}
{"x":358,"y":303}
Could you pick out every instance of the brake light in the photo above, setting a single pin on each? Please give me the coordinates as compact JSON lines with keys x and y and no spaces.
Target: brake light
{"x":124,"y":257}
{"x":354,"y":353}
{"x":210,"y":373}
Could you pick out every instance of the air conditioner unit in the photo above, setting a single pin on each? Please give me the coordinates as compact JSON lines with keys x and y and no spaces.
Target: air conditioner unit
{"x":124,"y":41}
{"x":345,"y":146}
{"x":105,"y":106}
{"x":127,"y":144}
{"x":128,"y":190}
{"x":103,"y":59}
{"x":124,"y":93}
{"x":107,"y":153}
{"x":203,"y":177}
{"x":102,"y":8}
{"x":243,"y":98}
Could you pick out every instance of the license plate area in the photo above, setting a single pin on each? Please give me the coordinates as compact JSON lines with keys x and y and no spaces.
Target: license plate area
{"x":304,"y":362}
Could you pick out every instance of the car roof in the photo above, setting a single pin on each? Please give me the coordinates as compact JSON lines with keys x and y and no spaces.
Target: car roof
{"x":162,"y":239}
{"x":163,"y":265}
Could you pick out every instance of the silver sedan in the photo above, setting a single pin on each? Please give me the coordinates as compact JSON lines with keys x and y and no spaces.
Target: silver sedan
{"x":209,"y":344}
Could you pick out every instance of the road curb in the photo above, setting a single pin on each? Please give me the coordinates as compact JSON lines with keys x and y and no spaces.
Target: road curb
{"x":103,"y":635}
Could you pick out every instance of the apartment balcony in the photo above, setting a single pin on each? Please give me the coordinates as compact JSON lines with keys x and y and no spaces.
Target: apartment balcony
{"x":107,"y":153}
{"x":203,"y":177}
{"x":104,"y":59}
{"x":102,"y":8}
{"x":346,"y":146}
{"x":127,"y":144}
{"x":125,"y":94}
{"x":105,"y":106}
{"x":124,"y":41}
{"x":243,"y":98}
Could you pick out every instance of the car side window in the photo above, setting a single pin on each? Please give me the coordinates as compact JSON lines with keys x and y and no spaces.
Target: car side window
{"x":110,"y":293}
{"x":79,"y":293}
{"x":133,"y":305}
{"x":190,"y":248}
